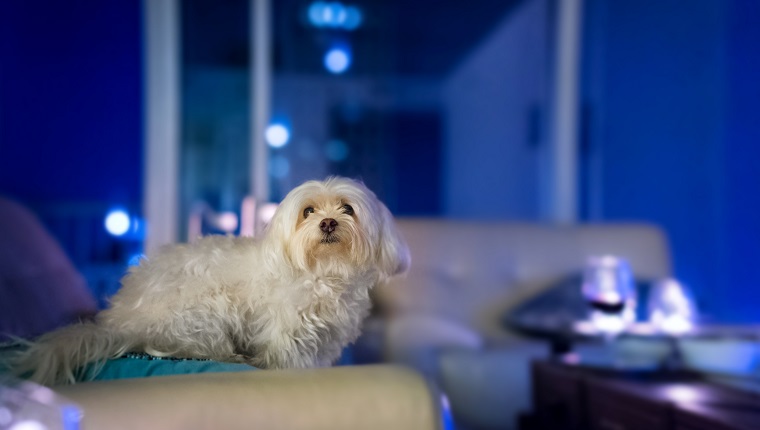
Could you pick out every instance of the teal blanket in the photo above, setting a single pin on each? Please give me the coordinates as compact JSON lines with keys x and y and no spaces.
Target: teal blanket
{"x":141,"y":365}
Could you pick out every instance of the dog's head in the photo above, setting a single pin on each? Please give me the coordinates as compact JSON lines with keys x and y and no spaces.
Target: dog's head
{"x":338,"y":224}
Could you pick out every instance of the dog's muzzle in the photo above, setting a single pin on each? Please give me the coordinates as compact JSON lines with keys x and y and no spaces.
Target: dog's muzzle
{"x":328,"y":226}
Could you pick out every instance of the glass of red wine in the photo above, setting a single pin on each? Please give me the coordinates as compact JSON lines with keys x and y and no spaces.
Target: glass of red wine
{"x":609,"y":290}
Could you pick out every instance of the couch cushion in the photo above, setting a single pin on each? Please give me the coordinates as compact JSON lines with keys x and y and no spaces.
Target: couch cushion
{"x":349,"y":397}
{"x":40,"y":289}
{"x":473,"y":272}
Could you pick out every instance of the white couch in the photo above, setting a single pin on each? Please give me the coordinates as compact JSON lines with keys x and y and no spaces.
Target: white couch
{"x":351,"y":397}
{"x":444,"y":317}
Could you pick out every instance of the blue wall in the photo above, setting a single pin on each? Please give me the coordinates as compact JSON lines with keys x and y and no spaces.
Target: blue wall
{"x":70,"y":100}
{"x":493,"y":100}
{"x":740,"y":271}
{"x":672,"y":88}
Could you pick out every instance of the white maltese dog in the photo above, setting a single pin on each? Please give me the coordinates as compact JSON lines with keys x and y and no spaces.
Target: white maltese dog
{"x":293,"y":298}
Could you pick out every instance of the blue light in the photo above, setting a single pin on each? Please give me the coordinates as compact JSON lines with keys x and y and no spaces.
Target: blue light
{"x":277,"y":135}
{"x":315,"y":13}
{"x":117,"y":222}
{"x":334,"y":15}
{"x":337,"y":60}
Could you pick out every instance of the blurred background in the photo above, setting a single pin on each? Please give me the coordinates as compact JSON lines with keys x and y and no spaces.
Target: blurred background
{"x":111,"y":111}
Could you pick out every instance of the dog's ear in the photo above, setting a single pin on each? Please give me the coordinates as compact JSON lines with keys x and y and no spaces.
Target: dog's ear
{"x":393,"y":253}
{"x":278,"y":226}
{"x":280,"y":230}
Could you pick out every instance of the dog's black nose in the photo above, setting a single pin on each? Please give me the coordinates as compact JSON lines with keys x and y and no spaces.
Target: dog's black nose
{"x":328,"y":225}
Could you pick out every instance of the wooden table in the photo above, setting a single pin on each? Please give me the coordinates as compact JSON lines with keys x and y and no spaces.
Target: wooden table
{"x":574,"y":397}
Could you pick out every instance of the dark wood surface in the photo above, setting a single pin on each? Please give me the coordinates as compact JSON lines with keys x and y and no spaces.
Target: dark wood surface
{"x":571,"y":397}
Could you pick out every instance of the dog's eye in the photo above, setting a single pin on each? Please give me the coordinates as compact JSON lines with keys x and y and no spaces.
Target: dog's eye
{"x":307,"y":211}
{"x":348,"y":210}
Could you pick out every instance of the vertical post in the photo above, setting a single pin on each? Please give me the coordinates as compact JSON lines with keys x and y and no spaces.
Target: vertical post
{"x":260,"y":83}
{"x":161,"y":71}
{"x":563,"y":189}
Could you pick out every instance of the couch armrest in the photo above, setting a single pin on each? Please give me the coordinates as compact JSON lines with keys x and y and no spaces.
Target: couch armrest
{"x":352,"y":397}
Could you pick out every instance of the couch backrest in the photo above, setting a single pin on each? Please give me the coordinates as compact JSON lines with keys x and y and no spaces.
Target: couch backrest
{"x":473,"y":272}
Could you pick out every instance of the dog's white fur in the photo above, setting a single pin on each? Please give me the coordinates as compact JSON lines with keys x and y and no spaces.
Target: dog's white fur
{"x":290,"y":299}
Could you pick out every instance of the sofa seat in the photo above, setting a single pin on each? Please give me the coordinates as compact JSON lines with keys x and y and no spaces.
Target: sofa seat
{"x":352,"y":397}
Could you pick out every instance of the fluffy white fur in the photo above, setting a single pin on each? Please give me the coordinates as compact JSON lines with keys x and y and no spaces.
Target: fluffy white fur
{"x":290,"y":299}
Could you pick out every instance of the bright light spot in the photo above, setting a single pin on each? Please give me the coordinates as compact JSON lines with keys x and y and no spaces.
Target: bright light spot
{"x":672,"y":324}
{"x":336,"y":150}
{"x":334,"y":15}
{"x":326,"y":15}
{"x":337,"y":60}
{"x":610,"y":324}
{"x":676,"y":324}
{"x":279,"y":166}
{"x":28,"y":425}
{"x":277,"y":135}
{"x":227,"y":221}
{"x":682,"y":393}
{"x":266,"y":213}
{"x":315,"y":13}
{"x":117,"y":222}
{"x":609,"y":297}
{"x":671,"y":308}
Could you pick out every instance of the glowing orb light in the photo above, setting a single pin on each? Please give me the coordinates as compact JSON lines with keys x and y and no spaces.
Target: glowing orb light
{"x":117,"y":222}
{"x":337,"y":60}
{"x":277,"y":135}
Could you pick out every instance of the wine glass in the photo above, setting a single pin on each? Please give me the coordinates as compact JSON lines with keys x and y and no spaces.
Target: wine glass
{"x":671,"y":307}
{"x":609,"y":290}
{"x":672,"y":313}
